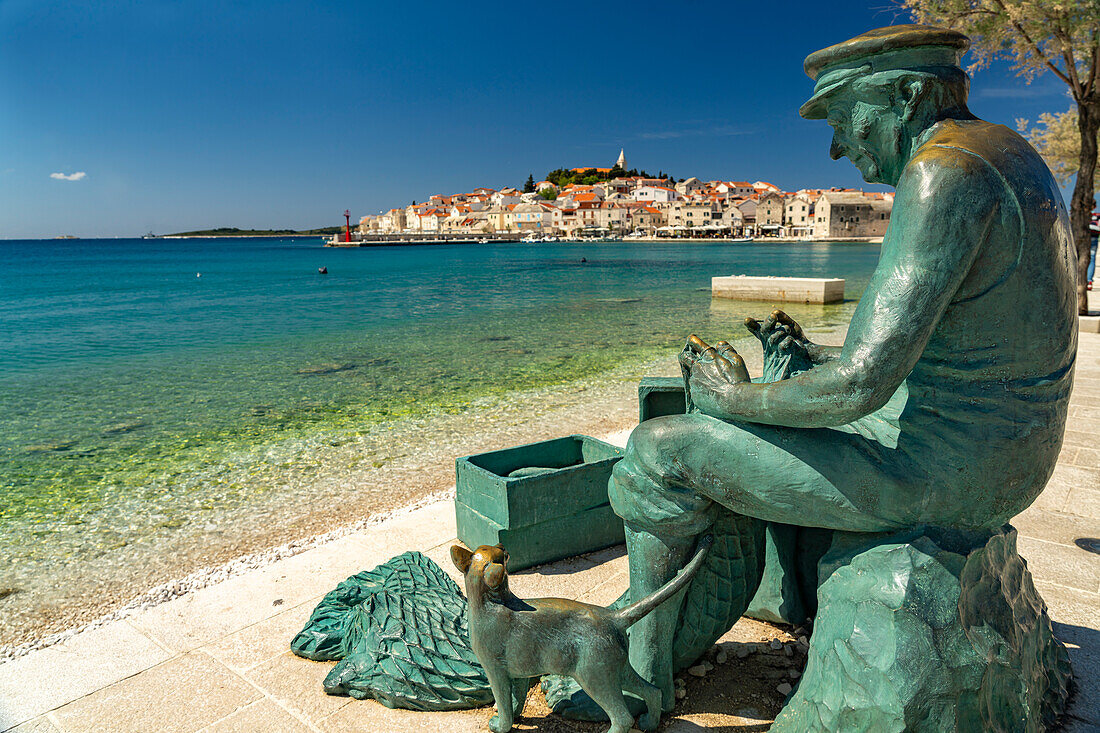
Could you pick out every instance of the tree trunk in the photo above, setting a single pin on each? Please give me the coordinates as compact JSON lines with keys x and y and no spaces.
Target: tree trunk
{"x":1088,"y":123}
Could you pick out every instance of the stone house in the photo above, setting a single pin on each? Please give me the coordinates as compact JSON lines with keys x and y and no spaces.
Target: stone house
{"x":798,"y":214}
{"x":646,"y":218}
{"x":533,"y":217}
{"x":769,"y":213}
{"x":729,"y":217}
{"x":689,"y":186}
{"x":845,"y":214}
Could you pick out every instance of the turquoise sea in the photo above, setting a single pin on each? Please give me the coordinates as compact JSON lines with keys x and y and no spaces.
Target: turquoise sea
{"x":141,"y":378}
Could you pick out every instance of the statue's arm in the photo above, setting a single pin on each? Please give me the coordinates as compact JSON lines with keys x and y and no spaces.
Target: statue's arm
{"x":943,"y":211}
{"x":819,"y":353}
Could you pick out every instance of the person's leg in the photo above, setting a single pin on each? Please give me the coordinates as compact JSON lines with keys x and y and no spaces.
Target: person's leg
{"x":678,"y":469}
{"x":1092,"y":259}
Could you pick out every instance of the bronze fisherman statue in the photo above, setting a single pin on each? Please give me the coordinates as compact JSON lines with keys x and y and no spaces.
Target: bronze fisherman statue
{"x":946,"y":405}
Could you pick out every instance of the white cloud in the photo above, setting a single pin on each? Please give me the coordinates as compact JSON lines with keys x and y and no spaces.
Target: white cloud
{"x":68,"y":176}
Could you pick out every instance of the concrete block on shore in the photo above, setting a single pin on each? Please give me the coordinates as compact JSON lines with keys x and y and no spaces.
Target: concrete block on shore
{"x":785,"y":289}
{"x":1089,"y":323}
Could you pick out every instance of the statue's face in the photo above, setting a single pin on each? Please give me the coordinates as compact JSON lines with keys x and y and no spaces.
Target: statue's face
{"x":867,"y":129}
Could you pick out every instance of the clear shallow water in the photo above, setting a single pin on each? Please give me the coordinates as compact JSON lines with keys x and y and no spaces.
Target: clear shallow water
{"x":128,"y":381}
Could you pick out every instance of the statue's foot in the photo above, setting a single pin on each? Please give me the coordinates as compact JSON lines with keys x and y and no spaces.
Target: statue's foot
{"x":566,"y":698}
{"x":499,"y":726}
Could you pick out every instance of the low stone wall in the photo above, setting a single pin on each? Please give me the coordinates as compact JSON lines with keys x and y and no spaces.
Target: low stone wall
{"x":784,"y":289}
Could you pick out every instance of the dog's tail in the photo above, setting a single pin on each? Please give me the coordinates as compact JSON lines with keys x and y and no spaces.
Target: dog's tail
{"x":636,"y":611}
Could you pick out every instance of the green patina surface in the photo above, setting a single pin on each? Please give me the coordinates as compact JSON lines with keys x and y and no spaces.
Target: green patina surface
{"x":944,"y":408}
{"x":543,"y":501}
{"x":659,"y":396}
{"x":400,"y":635}
{"x":928,"y":630}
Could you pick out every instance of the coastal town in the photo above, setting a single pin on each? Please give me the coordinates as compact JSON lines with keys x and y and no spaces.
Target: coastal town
{"x":615,"y":203}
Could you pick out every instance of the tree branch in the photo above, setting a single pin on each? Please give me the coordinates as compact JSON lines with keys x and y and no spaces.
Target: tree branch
{"x":1094,"y":67}
{"x":1035,"y":48}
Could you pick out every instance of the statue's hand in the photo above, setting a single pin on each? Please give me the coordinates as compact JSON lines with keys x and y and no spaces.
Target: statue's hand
{"x":710,"y":371}
{"x":787,"y":351}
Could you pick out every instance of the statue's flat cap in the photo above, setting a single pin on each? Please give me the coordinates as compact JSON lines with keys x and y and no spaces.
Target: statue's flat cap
{"x":892,"y":47}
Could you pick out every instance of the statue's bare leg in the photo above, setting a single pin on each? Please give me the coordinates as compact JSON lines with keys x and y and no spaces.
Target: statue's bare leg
{"x":679,"y":469}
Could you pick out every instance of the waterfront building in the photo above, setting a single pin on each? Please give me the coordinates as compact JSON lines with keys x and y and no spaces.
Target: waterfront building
{"x":798,"y":213}
{"x":851,"y":214}
{"x":647,"y":219}
{"x":538,"y":217}
{"x":769,"y":213}
{"x":729,"y":217}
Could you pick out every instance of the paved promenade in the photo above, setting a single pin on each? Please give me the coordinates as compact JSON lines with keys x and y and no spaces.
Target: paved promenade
{"x":218,"y":660}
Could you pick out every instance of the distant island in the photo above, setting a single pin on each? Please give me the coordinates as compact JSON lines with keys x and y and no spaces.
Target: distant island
{"x":235,"y":232}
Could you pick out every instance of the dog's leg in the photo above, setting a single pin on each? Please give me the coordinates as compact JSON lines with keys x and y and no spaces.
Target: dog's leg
{"x":501,"y":685}
{"x":605,"y":692}
{"x":520,"y":687}
{"x":632,"y":682}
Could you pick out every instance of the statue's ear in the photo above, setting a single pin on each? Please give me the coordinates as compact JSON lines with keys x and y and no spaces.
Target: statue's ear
{"x":494,"y":575}
{"x":908,"y":94}
{"x":461,"y":557}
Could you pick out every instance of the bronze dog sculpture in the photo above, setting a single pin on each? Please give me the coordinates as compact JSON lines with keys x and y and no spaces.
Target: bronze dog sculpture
{"x":517,"y":641}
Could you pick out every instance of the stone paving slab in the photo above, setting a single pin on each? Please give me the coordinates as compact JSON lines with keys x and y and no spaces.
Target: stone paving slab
{"x":217,"y":659}
{"x":40,"y":682}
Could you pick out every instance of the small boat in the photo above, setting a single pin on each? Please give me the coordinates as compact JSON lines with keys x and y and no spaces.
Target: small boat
{"x":322,"y":270}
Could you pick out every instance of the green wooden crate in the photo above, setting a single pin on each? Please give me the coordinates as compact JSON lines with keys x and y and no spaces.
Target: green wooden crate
{"x":586,"y":531}
{"x":658,"y":396}
{"x":555,"y":507}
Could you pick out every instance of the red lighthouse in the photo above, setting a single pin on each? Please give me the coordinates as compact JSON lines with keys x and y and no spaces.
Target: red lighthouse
{"x":347,"y":225}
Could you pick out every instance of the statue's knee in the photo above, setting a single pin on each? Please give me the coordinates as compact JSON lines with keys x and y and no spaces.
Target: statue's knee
{"x":648,"y":488}
{"x":653,"y":442}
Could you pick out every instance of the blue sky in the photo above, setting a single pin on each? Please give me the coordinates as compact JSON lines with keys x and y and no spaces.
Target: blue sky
{"x":186,"y":115}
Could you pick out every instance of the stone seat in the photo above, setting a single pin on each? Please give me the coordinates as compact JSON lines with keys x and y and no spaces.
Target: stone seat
{"x":922,"y":630}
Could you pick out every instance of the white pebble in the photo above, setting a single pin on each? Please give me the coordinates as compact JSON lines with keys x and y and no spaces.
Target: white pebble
{"x":707,"y":666}
{"x":721,"y":656}
{"x":784,"y":688}
{"x":742,"y":651}
{"x":788,"y":651}
{"x":794,"y":673}
{"x":775,"y":644}
{"x":697,"y":671}
{"x":681,"y":693}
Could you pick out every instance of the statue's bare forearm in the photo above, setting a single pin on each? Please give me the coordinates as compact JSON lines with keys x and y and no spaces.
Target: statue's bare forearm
{"x":824,"y":396}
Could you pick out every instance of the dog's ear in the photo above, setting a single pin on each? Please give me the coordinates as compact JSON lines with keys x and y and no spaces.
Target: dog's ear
{"x":494,"y":575}
{"x":461,"y":557}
